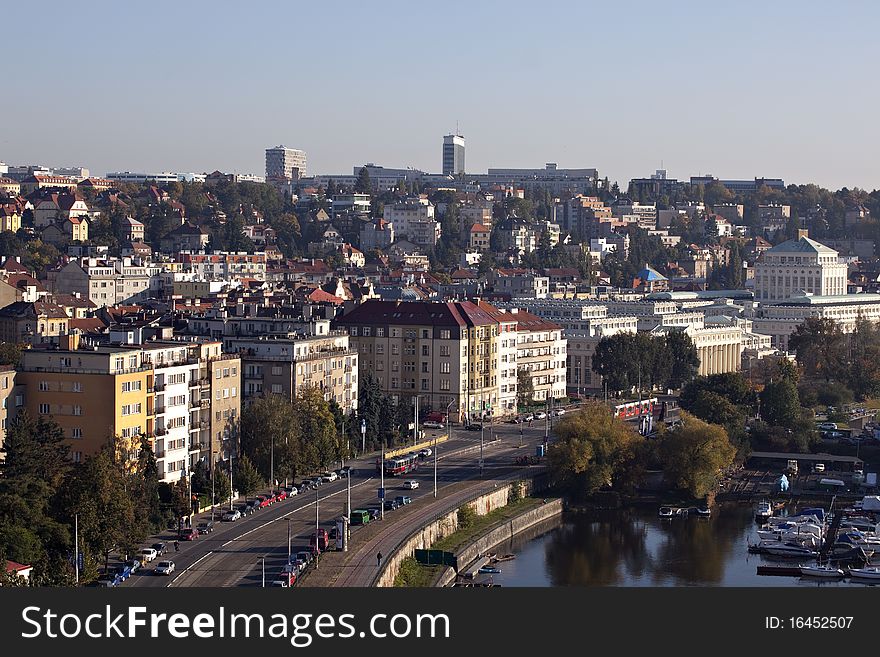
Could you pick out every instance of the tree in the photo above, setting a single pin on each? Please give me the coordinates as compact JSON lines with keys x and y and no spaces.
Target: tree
{"x":684,"y":360}
{"x":245,"y":477}
{"x":10,"y":354}
{"x":525,"y":387}
{"x":695,"y":454}
{"x":270,"y":426}
{"x":732,"y":386}
{"x":594,"y":450}
{"x":821,"y":348}
{"x":317,"y":427}
{"x":363,"y":184}
{"x":780,"y":404}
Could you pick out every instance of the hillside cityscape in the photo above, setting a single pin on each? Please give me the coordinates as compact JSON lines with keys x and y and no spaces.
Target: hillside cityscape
{"x":175,"y":345}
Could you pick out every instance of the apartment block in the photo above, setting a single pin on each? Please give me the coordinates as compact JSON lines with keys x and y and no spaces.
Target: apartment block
{"x":285,"y":365}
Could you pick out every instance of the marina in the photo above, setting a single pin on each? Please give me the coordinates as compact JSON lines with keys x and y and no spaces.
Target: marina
{"x":796,"y":546}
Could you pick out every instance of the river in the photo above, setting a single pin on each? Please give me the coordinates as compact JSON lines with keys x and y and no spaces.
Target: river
{"x":634,"y":547}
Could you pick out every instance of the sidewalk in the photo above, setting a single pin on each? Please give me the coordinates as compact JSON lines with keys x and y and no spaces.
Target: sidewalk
{"x":357,"y":567}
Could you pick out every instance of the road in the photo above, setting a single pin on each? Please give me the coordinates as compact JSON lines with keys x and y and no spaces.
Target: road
{"x":233,"y":554}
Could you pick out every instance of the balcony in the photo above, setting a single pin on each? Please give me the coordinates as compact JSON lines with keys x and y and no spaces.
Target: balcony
{"x":160,"y":410}
{"x":161,"y":431}
{"x":194,"y":383}
{"x":204,"y":403}
{"x":158,"y":387}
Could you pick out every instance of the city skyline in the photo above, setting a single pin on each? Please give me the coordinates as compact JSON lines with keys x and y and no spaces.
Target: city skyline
{"x":697,"y":90}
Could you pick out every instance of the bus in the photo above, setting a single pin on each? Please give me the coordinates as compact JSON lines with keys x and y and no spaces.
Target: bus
{"x":360,"y":517}
{"x":635,"y":409}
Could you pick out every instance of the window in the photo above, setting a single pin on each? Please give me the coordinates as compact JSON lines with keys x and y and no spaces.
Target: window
{"x":276,"y":388}
{"x":353,"y":331}
{"x":444,"y":384}
{"x":76,"y":432}
{"x":444,"y":334}
{"x":380,"y":348}
{"x":425,"y":368}
{"x":366,"y":331}
{"x":44,"y":409}
{"x":424,"y":334}
{"x":77,"y":410}
{"x":380,"y":332}
{"x":234,"y":391}
{"x":219,"y":374}
{"x":132,"y":362}
{"x":444,"y":349}
{"x":226,"y":372}
{"x":225,"y":393}
{"x":276,"y":370}
{"x":44,"y":386}
{"x":444,"y":367}
{"x":424,"y":384}
{"x":426,"y":350}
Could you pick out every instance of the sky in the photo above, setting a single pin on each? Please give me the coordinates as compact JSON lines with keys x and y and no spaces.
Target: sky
{"x":734,"y":89}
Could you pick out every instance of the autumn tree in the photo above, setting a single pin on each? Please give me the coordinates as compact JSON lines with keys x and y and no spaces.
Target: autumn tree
{"x":695,"y":454}
{"x":594,"y":451}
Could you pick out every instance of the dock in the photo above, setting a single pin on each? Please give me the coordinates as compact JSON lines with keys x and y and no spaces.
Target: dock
{"x":786,"y":571}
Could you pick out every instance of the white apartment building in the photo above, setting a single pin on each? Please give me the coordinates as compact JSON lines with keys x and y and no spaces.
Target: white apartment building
{"x":171,"y":405}
{"x":413,"y":220}
{"x":285,"y":163}
{"x":796,"y":267}
{"x":223,"y":266}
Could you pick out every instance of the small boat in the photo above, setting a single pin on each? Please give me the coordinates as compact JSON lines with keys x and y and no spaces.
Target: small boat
{"x":763,"y":511}
{"x":490,"y":570}
{"x":704,"y":512}
{"x":503,"y":557}
{"x":865,"y":573}
{"x":821,"y":571}
{"x":666,"y":512}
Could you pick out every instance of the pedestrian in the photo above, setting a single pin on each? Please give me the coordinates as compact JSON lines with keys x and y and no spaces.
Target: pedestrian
{"x":378,"y":559}
{"x":176,"y":546}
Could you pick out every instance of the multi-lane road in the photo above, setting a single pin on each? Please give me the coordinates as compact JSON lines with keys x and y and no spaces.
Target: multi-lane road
{"x":234,"y":554}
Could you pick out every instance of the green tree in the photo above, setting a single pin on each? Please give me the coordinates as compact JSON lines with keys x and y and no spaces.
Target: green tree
{"x":594,"y":451}
{"x":695,"y":454}
{"x":733,"y":386}
{"x":821,"y":348}
{"x":525,"y":388}
{"x":270,"y":434}
{"x":780,"y":404}
{"x":245,"y":477}
{"x":317,"y":426}
{"x":684,"y":361}
{"x":363,"y":184}
{"x":10,"y":354}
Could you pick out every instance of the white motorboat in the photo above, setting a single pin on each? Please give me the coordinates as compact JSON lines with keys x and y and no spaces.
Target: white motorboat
{"x":666,"y":512}
{"x":821,"y":571}
{"x":763,"y":511}
{"x":865,"y":573}
{"x":780,"y":549}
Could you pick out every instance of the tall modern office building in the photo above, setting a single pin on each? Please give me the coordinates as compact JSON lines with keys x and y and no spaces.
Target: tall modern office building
{"x":285,"y":163}
{"x":453,"y":155}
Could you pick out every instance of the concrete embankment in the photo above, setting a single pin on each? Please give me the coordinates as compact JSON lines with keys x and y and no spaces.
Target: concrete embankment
{"x":500,"y":534}
{"x":447,"y":523}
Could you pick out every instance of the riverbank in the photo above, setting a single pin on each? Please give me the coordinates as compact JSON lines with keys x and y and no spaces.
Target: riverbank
{"x":481,"y":534}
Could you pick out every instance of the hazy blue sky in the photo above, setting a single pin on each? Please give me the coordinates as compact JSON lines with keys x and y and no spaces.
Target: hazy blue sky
{"x":737,"y":89}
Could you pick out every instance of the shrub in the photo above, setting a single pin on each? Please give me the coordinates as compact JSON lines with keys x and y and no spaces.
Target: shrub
{"x":466,"y":516}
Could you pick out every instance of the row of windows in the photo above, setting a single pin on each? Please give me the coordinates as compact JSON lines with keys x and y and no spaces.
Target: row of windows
{"x":131,"y":409}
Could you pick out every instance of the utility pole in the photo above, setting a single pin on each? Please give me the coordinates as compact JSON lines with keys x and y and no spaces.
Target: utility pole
{"x":348,"y":500}
{"x":264,"y":572}
{"x":415,"y":421}
{"x":363,"y":436}
{"x":482,"y":426}
{"x":317,"y":527}
{"x":288,"y":540}
{"x":382,"y":483}
{"x":272,"y":464}
{"x":213,"y":498}
{"x":230,"y":481}
{"x":76,"y":548}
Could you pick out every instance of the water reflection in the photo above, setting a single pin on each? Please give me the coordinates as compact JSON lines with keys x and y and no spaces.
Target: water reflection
{"x":636,"y":548}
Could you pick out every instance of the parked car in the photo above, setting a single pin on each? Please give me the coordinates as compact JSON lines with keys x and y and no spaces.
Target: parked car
{"x":206,"y":527}
{"x":123,"y":572}
{"x":403,"y":499}
{"x":559,"y":411}
{"x":105,"y":581}
{"x":263,"y":501}
{"x":329,"y":477}
{"x":375,"y":513}
{"x":819,"y":467}
{"x":148,"y":554}
{"x":190,"y":534}
{"x":473,"y":427}
{"x":134,"y":565}
{"x":245,"y":510}
{"x":828,"y":426}
{"x":410,"y":484}
{"x":424,"y":453}
{"x":433,"y":424}
{"x":280,"y":496}
{"x":160,"y":548}
{"x":293,"y":490}
{"x":528,"y":417}
{"x":390,"y":505}
{"x":286,"y":577}
{"x":540,"y":415}
{"x":232,"y":516}
{"x":164,"y":567}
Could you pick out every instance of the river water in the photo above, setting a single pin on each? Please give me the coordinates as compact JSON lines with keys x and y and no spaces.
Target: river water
{"x":634,"y":547}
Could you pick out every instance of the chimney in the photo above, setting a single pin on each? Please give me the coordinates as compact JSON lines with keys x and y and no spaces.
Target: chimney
{"x":69,"y":341}
{"x":803,"y":232}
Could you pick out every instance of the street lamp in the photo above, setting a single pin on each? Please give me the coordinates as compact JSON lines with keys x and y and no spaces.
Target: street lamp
{"x":363,"y":436}
{"x":382,"y":483}
{"x":317,"y":527}
{"x":448,"y":437}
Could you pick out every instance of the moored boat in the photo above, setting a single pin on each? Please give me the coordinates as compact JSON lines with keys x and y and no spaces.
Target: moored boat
{"x":865,"y":573}
{"x":821,"y":571}
{"x":763,"y":511}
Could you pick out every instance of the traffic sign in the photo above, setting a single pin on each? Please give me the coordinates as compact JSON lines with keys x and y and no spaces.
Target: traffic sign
{"x":381,"y":493}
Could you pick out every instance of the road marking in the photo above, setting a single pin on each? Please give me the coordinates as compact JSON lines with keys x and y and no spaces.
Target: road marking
{"x":194,"y":563}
